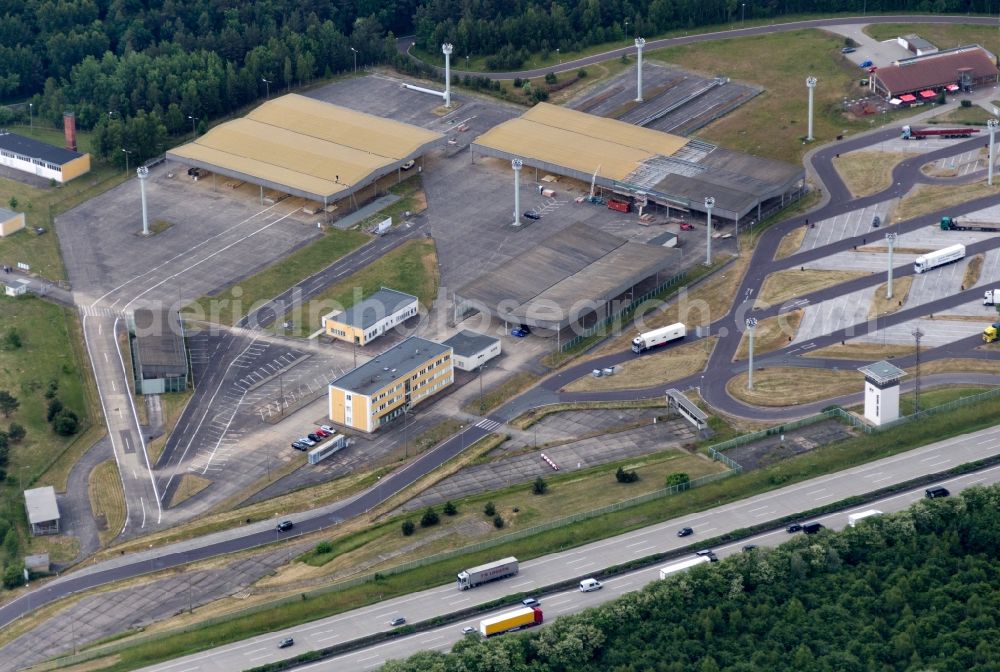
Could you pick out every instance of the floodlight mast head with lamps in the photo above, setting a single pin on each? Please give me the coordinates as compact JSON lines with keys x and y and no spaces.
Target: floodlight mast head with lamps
{"x":709,"y":204}
{"x":639,"y":44}
{"x":751,"y":325}
{"x":517,"y":164}
{"x":890,"y":238}
{"x":992,"y":125}
{"x":446,"y":49}
{"x":811,"y":85}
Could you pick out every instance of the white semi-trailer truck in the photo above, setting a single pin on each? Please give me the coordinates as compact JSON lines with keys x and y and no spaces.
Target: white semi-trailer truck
{"x":491,"y":571}
{"x":683,"y":565}
{"x":945,"y":255}
{"x":657,"y":337}
{"x":991,"y":297}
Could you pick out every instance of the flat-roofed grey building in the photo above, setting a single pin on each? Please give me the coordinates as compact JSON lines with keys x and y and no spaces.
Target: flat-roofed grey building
{"x":43,"y":511}
{"x":159,"y":359}
{"x":470,"y":349}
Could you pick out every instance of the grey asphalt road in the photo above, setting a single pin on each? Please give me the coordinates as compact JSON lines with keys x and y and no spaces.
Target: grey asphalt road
{"x":404,"y":44}
{"x":591,"y":558}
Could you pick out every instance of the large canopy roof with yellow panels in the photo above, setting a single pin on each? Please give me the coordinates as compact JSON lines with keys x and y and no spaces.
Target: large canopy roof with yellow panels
{"x":306,"y":147}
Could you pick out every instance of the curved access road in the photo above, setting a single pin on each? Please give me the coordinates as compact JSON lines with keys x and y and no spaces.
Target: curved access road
{"x":405,"y":44}
{"x":719,"y":370}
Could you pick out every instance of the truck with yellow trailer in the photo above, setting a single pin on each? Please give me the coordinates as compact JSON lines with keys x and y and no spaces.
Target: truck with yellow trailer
{"x":509,"y":621}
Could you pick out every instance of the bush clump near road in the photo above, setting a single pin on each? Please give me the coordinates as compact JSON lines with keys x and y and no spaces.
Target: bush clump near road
{"x":925,"y":577}
{"x":678,"y":479}
{"x":430,"y":517}
{"x":623,"y":476}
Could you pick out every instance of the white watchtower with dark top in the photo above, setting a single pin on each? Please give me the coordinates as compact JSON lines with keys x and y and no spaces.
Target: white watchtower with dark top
{"x":882,"y":392}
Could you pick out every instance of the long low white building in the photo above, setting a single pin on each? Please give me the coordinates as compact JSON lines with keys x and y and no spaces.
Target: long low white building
{"x":370,"y":318}
{"x":41,"y":159}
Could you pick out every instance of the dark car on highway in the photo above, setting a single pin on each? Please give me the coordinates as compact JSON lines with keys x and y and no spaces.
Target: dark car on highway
{"x":934,"y":493}
{"x":794,"y":527}
{"x":398,"y":620}
{"x":285,"y":643}
{"x":285,"y":525}
{"x":684,"y":532}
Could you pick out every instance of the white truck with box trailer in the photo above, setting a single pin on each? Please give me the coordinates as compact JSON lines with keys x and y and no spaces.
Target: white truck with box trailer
{"x":683,"y":565}
{"x":945,"y":255}
{"x":991,"y":297}
{"x":853,"y":518}
{"x":657,"y":337}
{"x":491,"y":571}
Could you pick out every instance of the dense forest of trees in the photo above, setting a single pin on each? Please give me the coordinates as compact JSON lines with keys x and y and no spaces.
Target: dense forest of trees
{"x":918,"y":590}
{"x":139,"y":71}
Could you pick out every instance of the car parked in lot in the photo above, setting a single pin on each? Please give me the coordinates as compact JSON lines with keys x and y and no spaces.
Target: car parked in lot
{"x":848,"y":50}
{"x":398,"y":620}
{"x":328,"y":428}
{"x":794,"y":527}
{"x":866,"y":64}
{"x":315,"y":438}
{"x":309,"y":442}
{"x":531,"y":214}
{"x":285,"y":525}
{"x":285,"y":643}
{"x":322,"y":433}
{"x":685,"y":532}
{"x":685,"y":226}
{"x":876,"y":222}
{"x":298,"y":445}
{"x":406,"y":166}
{"x":518,"y":332}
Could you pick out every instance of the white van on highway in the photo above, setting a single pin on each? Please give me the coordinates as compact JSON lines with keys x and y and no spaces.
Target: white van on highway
{"x":588,"y":585}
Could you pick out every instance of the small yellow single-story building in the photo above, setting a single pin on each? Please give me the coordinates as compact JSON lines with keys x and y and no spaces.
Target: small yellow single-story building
{"x":384,"y":388}
{"x":10,"y":222}
{"x":368,"y":319}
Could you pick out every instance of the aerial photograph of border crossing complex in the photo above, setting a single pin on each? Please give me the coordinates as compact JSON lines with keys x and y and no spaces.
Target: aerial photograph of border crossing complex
{"x":566,"y":336}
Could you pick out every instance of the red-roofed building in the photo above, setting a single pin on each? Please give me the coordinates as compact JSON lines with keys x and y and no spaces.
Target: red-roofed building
{"x":967,"y":67}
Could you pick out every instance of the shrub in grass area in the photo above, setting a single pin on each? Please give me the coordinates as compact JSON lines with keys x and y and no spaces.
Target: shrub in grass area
{"x":498,"y":522}
{"x":12,"y":340}
{"x":408,"y":528}
{"x":53,"y":409}
{"x":450,"y":509}
{"x":13,"y":576}
{"x":430,"y":518}
{"x":490,"y":509}
{"x":324,"y":547}
{"x":16,"y":432}
{"x":550,"y":78}
{"x":581,"y":73}
{"x":11,"y":545}
{"x":8,"y":403}
{"x":623,"y":476}
{"x":539,"y":487}
{"x":678,"y":478}
{"x":966,"y":103}
{"x":66,"y":423}
{"x":50,"y":393}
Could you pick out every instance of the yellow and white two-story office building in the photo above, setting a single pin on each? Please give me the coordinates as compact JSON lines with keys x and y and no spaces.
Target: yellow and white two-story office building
{"x":384,"y":388}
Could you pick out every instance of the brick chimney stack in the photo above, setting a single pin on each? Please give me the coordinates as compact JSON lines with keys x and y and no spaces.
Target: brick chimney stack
{"x":69,"y":129}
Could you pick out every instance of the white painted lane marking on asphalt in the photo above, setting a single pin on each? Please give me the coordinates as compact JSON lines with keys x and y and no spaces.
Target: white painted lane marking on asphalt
{"x":464,"y":599}
{"x":759,"y":508}
{"x":523,"y":583}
